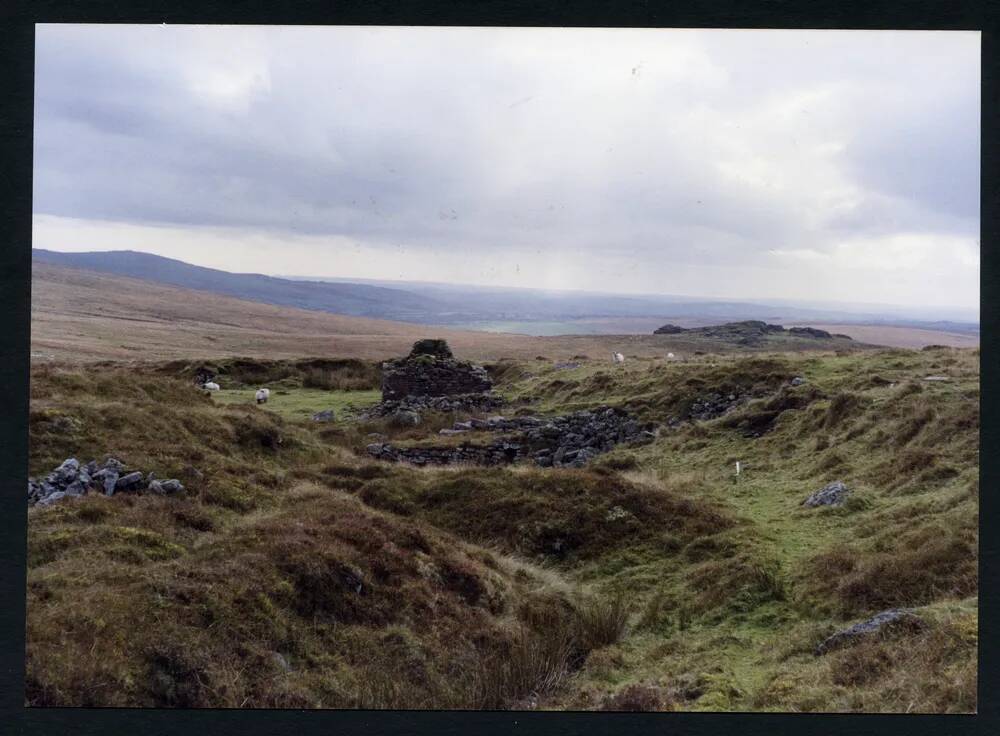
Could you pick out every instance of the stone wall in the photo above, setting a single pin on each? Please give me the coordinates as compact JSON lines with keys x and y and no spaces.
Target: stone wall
{"x":432,"y":372}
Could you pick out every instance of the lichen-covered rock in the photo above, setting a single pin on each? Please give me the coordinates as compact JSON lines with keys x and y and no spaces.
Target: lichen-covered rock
{"x":877,"y":624}
{"x":324,"y":416}
{"x":832,"y":494}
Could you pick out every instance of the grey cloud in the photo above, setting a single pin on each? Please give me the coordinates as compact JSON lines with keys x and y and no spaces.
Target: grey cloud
{"x":476,"y":141}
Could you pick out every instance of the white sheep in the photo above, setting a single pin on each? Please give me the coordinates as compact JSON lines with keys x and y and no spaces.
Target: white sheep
{"x":262,"y":395}
{"x":211,"y":386}
{"x":617,"y":357}
{"x":670,"y":356}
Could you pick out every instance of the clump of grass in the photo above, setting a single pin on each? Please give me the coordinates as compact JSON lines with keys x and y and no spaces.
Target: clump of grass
{"x":601,"y":622}
{"x":532,"y":664}
{"x":540,"y":656}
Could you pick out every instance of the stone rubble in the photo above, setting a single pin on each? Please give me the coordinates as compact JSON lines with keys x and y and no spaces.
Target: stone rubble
{"x":564,"y":441}
{"x":73,"y":480}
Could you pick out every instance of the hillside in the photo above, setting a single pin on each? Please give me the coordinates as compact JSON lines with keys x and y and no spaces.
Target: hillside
{"x":297,"y":571}
{"x":340,"y":298}
{"x":79,"y":315}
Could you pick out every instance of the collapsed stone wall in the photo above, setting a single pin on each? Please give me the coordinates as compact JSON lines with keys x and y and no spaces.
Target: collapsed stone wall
{"x":569,"y":440}
{"x":481,"y":402}
{"x":499,"y":452}
{"x":431,"y":370}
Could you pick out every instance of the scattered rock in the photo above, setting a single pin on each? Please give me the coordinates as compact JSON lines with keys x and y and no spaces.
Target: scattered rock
{"x":877,"y":624}
{"x":71,"y":480}
{"x":108,"y":478}
{"x":130,"y":482}
{"x":936,"y":378}
{"x":326,"y":415}
{"x":832,"y":494}
{"x":569,"y":440}
{"x":51,"y":498}
{"x":798,"y":381}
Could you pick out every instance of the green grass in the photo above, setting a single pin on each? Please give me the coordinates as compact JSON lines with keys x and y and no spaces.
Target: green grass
{"x":302,"y":403}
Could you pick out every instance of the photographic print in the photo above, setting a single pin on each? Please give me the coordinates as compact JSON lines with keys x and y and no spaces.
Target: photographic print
{"x":468,"y":368}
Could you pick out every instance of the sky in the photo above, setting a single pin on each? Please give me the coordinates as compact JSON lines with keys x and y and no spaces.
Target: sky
{"x":820,"y":165}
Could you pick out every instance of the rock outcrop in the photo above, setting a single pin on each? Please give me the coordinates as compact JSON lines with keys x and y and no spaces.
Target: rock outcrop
{"x":811,"y":332}
{"x":749,"y":332}
{"x":71,"y":479}
{"x":669,"y":330}
{"x":431,"y":370}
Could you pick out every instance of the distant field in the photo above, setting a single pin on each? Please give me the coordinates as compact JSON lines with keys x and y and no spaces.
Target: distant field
{"x":81,"y":316}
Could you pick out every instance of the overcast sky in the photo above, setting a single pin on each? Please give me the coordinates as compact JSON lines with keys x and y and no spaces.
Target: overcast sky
{"x":838,"y":165}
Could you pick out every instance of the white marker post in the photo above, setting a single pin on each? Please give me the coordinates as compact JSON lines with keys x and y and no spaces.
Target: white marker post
{"x":737,"y":467}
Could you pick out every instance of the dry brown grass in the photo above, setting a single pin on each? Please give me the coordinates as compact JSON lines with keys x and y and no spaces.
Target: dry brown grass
{"x":323,"y":582}
{"x":911,"y":568}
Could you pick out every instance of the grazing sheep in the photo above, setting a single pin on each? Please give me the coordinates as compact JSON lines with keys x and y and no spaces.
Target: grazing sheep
{"x":617,"y":357}
{"x":670,"y":356}
{"x":211,"y":386}
{"x":262,"y":395}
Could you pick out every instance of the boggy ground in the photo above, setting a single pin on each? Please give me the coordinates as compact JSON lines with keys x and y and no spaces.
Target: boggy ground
{"x":298,"y":572}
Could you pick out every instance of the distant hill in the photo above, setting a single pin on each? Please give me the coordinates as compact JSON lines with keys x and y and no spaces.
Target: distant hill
{"x":360,"y":300}
{"x":79,"y":315}
{"x":506,"y":309}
